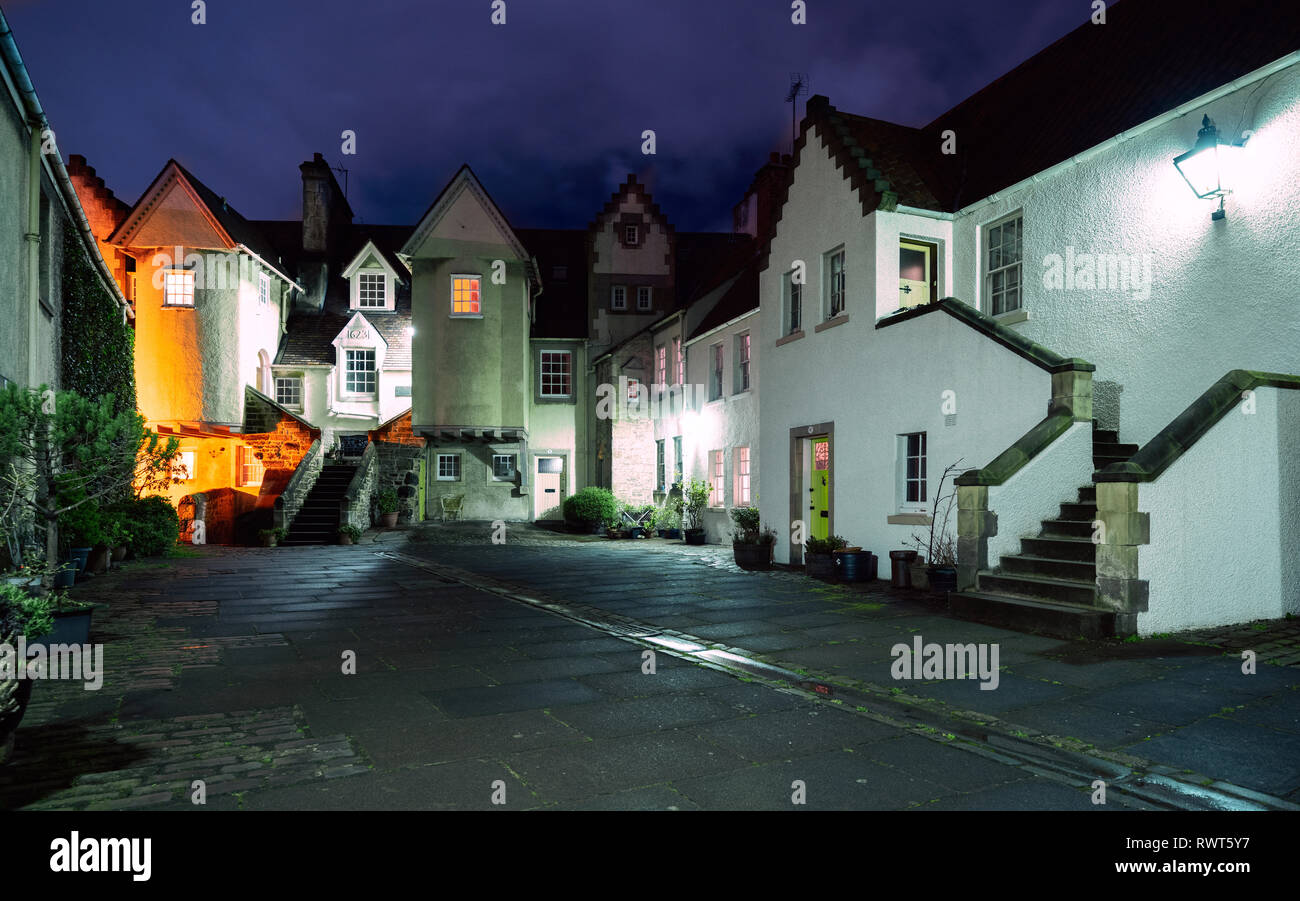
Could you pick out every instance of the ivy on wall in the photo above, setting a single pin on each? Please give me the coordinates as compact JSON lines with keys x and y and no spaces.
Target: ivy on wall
{"x":98,"y":347}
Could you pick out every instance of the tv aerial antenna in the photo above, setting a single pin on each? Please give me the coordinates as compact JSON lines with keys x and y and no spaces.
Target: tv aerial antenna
{"x":798,"y":88}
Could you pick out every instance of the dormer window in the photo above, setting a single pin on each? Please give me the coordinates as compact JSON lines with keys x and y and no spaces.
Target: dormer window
{"x":372,"y":290}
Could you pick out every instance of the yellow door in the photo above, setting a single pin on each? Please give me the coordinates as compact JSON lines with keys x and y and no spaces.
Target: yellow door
{"x":419,"y":507}
{"x":915,"y":273}
{"x":819,"y":509}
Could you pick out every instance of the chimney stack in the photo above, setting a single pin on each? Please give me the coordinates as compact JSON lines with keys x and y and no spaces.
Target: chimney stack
{"x":755,"y":214}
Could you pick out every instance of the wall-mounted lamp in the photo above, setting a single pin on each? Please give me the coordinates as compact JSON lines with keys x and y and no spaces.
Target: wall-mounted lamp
{"x":1206,"y":164}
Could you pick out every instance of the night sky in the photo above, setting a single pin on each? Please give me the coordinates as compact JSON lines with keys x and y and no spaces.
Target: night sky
{"x":548,"y":109}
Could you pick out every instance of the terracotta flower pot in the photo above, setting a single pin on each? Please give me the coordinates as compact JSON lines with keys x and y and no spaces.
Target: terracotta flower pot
{"x":388,"y":520}
{"x":345,"y":539}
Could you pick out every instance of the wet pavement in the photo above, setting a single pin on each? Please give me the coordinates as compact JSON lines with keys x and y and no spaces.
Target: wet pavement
{"x":229,"y":668}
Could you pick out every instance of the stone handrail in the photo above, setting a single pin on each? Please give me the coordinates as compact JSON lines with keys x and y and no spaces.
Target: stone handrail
{"x":354,"y":506}
{"x":1029,"y":445}
{"x":1187,"y":428}
{"x":289,"y":501}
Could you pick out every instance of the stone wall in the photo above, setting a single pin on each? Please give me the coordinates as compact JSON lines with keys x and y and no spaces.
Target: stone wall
{"x":398,"y":451}
{"x":299,"y":486}
{"x":355,"y":508}
{"x":279,"y":439}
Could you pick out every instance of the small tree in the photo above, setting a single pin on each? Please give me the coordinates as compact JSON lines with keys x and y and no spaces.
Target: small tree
{"x":939,"y":546}
{"x":77,"y":451}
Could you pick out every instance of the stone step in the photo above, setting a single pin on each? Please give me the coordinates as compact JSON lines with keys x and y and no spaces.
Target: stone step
{"x":1088,"y":494}
{"x":1078,"y":549}
{"x":1061,"y":591}
{"x":1079,"y":510}
{"x":1067,"y":528}
{"x":1027,"y":615}
{"x":1101,"y":461}
{"x":1070,"y":570}
{"x":1105,"y":436}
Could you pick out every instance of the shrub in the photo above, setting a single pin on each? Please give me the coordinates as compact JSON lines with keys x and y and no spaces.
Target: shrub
{"x":746,"y":519}
{"x":590,"y":506}
{"x":352,"y":532}
{"x":825,"y":545}
{"x":388,"y":500}
{"x":22,"y":614}
{"x":695,"y":500}
{"x":152,"y":523}
{"x":83,"y":525}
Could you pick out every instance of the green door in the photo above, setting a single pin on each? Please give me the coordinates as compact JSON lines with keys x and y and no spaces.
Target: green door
{"x":819,"y":509}
{"x":419,"y":507}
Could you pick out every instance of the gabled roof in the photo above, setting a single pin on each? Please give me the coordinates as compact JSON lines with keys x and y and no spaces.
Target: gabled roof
{"x":463,"y":180}
{"x":740,"y":297}
{"x":1150,"y":57}
{"x":371,"y":249}
{"x":309,"y":338}
{"x":232,"y":228}
{"x":627,"y":189}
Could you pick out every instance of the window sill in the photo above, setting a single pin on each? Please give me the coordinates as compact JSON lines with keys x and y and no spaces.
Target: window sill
{"x":1012,"y":318}
{"x":831,"y":323}
{"x":465,"y":316}
{"x":908,"y":519}
{"x":793,"y":336}
{"x":178,"y":306}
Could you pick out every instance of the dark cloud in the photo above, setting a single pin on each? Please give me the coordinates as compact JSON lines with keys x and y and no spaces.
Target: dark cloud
{"x":548,"y":109}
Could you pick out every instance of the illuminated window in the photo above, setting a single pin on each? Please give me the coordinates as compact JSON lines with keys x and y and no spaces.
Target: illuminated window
{"x":179,"y":288}
{"x":661,"y":364}
{"x":633,"y":391}
{"x":618,"y":298}
{"x":263,"y":288}
{"x":184,"y":467}
{"x":557,"y":380}
{"x":448,"y":467}
{"x":465,"y":296}
{"x":372,"y":290}
{"x":1002,"y":265}
{"x":249,"y":468}
{"x":681,"y":361}
{"x":360,"y":372}
{"x":740,"y":465}
{"x":715,"y":478}
{"x":288,"y":391}
{"x":503,"y":467}
{"x":643,"y":298}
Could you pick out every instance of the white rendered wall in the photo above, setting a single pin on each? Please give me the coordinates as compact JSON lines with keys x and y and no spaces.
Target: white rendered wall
{"x":1225,"y":535}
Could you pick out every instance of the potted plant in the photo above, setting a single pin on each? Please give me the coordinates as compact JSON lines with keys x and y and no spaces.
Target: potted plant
{"x":695,"y":500}
{"x":590,"y":510}
{"x":71,"y":620}
{"x":668,"y":519}
{"x":819,"y":560}
{"x":939,"y":545}
{"x":751,"y":545}
{"x":20,"y":614}
{"x":387,"y":501}
{"x":349,"y":534}
{"x":118,"y":537}
{"x":271,"y":537}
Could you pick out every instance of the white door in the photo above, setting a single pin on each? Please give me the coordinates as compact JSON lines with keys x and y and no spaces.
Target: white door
{"x":547,"y":488}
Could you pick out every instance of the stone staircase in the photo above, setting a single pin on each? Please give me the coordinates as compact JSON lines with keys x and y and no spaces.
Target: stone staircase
{"x":1051,"y":585}
{"x":317,"y":521}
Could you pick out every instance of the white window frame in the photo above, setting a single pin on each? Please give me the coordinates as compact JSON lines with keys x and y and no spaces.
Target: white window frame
{"x":644,"y":297}
{"x":661,"y":364}
{"x":680,"y":358}
{"x":438,"y":468}
{"x":359,"y":301}
{"x":618,"y":297}
{"x":679,"y":462}
{"x":921,"y":503}
{"x":632,"y":235}
{"x":633,"y":392}
{"x":184,"y":468}
{"x":275,"y":385}
{"x":718,"y":478}
{"x":741,"y":477}
{"x":661,"y":465}
{"x":835,"y":284}
{"x":178,"y":287}
{"x":541,"y":373}
{"x":246,"y":462}
{"x":1005,"y":268}
{"x":264,"y":289}
{"x":717,"y":372}
{"x":348,"y":369}
{"x":478,"y":278}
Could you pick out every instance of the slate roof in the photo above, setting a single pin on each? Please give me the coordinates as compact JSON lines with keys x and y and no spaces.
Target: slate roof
{"x":1096,"y":82}
{"x":562,"y":305}
{"x":241,"y":230}
{"x":740,"y":298}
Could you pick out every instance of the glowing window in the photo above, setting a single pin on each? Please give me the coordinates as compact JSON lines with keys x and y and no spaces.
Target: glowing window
{"x":179,"y":288}
{"x":250,"y":468}
{"x":716,"y":474}
{"x":465,"y":296}
{"x":360,"y":373}
{"x":740,"y":495}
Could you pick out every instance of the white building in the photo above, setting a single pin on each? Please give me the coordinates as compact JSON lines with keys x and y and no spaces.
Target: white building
{"x":1091,"y":281}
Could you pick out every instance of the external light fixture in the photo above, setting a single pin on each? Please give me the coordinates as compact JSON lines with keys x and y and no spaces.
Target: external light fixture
{"x":1206,"y":164}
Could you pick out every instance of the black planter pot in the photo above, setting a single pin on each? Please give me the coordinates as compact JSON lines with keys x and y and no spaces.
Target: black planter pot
{"x":22,"y":693}
{"x":855,"y":566}
{"x":695,"y":536}
{"x":670,"y":533}
{"x":753,"y":557}
{"x":70,"y":627}
{"x":943,"y":579}
{"x":820,"y":566}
